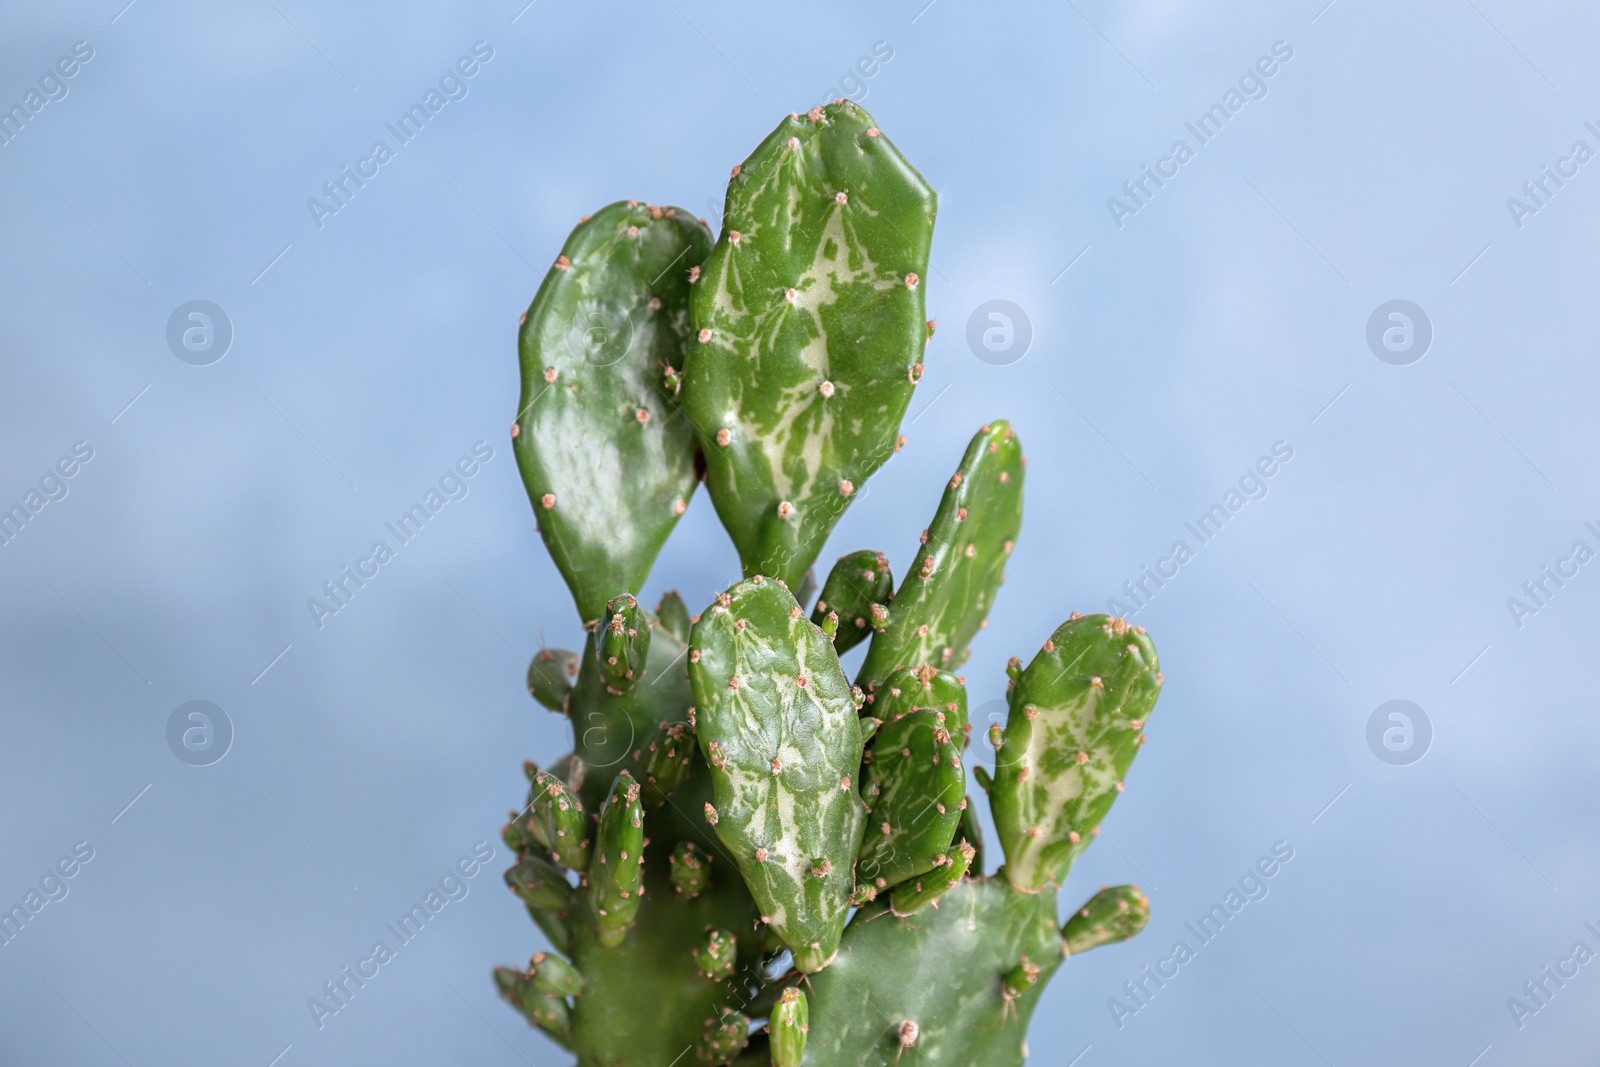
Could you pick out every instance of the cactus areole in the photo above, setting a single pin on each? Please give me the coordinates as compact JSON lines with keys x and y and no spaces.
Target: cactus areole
{"x":748,"y":853}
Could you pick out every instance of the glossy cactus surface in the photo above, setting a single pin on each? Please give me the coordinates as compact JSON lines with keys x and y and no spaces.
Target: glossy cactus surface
{"x":746,"y":859}
{"x":778,"y":728}
{"x":607,"y":458}
{"x":857,"y":593}
{"x":809,"y":329}
{"x":915,"y":787}
{"x":945,"y":595}
{"x":1076,"y":721}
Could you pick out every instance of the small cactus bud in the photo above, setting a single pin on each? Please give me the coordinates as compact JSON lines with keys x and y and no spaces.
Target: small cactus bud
{"x":551,"y":672}
{"x":540,"y":884}
{"x":1113,"y":914}
{"x":716,"y":956}
{"x":613,"y":880}
{"x":1021,"y":978}
{"x":557,"y":820}
{"x":555,"y":976}
{"x":788,"y":1028}
{"x":670,"y":760}
{"x":723,"y":1038}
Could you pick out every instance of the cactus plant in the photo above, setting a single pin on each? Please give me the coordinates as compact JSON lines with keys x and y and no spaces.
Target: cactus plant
{"x":747,"y":853}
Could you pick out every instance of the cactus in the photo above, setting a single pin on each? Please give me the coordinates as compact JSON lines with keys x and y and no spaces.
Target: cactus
{"x":943,"y":602}
{"x":779,"y":728}
{"x":809,"y":331}
{"x":624,"y":643}
{"x":606,"y":457}
{"x":615,"y":884}
{"x":550,"y":675}
{"x":857,"y":595}
{"x":1075,"y":721}
{"x":910,"y":688}
{"x":690,"y":870}
{"x":557,"y":821}
{"x":1113,"y":914}
{"x":747,"y":853}
{"x":717,"y":958}
{"x":789,"y":1026}
{"x":916,"y":788}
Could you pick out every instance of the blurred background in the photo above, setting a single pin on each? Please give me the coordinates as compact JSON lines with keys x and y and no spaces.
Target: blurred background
{"x":1350,"y":277}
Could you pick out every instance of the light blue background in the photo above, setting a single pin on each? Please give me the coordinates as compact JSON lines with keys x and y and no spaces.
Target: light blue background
{"x":1223,"y":317}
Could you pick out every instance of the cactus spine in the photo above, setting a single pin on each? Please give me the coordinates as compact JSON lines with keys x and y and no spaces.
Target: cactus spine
{"x":742,"y":834}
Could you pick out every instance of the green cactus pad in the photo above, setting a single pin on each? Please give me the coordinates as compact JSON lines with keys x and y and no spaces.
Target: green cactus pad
{"x":777,"y":724}
{"x":924,"y":687}
{"x":557,"y":820}
{"x":1075,"y":724}
{"x":857,"y":591}
{"x":810,"y":328}
{"x":550,"y":675}
{"x":691,"y":870}
{"x":1113,"y":914}
{"x":942,"y":972}
{"x":914,"y":895}
{"x":540,"y":884}
{"x":790,"y":1023}
{"x":614,"y":876}
{"x":623,"y":643}
{"x":607,"y":459}
{"x":672,"y":615}
{"x":554,"y":976}
{"x":717,"y":956}
{"x":916,"y":787}
{"x":944,"y":597}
